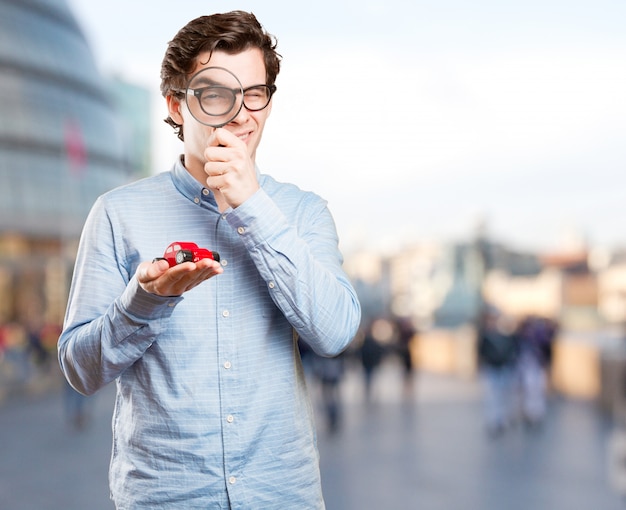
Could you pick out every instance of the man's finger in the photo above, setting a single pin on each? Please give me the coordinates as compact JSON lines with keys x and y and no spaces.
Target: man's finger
{"x":148,"y":271}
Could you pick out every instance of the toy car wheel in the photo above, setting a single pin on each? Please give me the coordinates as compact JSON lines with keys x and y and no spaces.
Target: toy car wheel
{"x":183,"y":256}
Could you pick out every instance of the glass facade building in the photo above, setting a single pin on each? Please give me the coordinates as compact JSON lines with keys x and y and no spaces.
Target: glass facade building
{"x":61,"y":146}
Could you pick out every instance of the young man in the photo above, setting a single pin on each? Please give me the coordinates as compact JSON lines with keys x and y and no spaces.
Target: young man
{"x":211,"y":408}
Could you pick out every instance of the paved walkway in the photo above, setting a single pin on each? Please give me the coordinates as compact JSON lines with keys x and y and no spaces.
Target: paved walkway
{"x":428,"y":452}
{"x":431,"y":452}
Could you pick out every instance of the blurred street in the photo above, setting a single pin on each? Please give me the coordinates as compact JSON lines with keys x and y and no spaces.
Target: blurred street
{"x":427,"y":452}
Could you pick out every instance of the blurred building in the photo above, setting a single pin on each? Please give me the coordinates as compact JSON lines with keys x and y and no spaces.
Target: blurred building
{"x":62,"y":144}
{"x":442,"y":287}
{"x":132,"y":107}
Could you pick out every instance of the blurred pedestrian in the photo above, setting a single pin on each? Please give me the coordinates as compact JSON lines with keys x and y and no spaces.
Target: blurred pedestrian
{"x":405,"y":340}
{"x":329,"y":373}
{"x":306,"y":356}
{"x":371,"y":354}
{"x":76,"y":407}
{"x":536,"y":336}
{"x":3,"y":341}
{"x":39,"y":355}
{"x":16,"y":356}
{"x":498,"y":352}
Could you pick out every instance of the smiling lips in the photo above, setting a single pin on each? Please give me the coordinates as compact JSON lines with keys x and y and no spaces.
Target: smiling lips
{"x":244,"y":136}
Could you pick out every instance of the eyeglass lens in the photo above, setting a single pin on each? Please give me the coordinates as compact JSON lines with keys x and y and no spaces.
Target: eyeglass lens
{"x":214,"y":96}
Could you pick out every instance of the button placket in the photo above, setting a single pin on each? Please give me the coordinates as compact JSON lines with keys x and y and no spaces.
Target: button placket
{"x":227,"y":311}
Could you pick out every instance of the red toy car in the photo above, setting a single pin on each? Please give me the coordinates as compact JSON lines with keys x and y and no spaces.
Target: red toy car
{"x":178,"y":252}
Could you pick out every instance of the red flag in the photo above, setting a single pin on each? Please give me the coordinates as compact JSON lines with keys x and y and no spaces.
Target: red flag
{"x":75,"y":149}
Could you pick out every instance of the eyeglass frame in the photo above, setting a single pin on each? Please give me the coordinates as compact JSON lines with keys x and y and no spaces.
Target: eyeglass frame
{"x":197,"y":92}
{"x":271,"y":88}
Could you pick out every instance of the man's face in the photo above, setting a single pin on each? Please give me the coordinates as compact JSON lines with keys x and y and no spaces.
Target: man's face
{"x":249,"y":68}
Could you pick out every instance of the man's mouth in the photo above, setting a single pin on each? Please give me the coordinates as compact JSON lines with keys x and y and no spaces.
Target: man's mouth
{"x":244,"y":136}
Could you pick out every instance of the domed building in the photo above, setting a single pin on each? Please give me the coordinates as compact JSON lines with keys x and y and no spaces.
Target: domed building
{"x":60,"y":148}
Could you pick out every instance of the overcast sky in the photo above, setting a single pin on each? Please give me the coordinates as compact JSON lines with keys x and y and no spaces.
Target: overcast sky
{"x":416,"y":119}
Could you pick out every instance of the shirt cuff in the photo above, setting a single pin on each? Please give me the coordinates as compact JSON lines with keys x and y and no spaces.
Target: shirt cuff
{"x":143,"y":305}
{"x":257,"y":219}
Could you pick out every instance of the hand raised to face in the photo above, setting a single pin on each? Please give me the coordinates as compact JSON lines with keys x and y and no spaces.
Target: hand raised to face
{"x":231,"y":174}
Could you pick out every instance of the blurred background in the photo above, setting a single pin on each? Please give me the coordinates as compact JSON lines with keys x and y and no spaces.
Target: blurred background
{"x":473,"y":155}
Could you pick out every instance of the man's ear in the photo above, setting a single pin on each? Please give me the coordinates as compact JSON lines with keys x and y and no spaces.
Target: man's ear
{"x":173,"y":106}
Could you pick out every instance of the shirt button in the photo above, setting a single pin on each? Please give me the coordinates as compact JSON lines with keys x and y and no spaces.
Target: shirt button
{"x":205,"y":192}
{"x":227,"y":365}
{"x":223,"y":216}
{"x":225,"y":313}
{"x":230,"y":418}
{"x":240,"y":230}
{"x":224,"y":262}
{"x":232,"y":480}
{"x":196,"y":200}
{"x":271,"y":285}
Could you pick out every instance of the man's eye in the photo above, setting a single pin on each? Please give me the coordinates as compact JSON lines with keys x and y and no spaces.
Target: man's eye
{"x":255,"y":94}
{"x":214,"y":93}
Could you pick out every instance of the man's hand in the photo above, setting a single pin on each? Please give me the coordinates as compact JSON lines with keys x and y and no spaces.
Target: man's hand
{"x":158,"y":278}
{"x":230,"y":170}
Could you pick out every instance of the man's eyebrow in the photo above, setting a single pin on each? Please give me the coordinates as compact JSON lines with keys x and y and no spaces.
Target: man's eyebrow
{"x":206,"y":82}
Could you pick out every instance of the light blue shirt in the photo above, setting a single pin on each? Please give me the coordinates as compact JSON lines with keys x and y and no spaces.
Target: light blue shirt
{"x":211,"y":406}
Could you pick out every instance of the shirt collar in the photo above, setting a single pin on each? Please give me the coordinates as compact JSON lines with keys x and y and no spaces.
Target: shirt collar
{"x":190,"y":187}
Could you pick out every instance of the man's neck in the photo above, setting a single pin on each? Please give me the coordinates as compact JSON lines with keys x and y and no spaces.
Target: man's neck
{"x":196,"y":170}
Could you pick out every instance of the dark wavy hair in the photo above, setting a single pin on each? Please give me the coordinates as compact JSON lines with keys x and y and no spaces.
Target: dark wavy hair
{"x":231,"y":32}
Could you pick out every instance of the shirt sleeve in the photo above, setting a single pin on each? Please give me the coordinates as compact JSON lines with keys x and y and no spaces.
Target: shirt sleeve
{"x":299,"y":260}
{"x":110,"y":320}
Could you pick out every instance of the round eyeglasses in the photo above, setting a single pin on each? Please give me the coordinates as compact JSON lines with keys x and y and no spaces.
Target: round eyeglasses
{"x":215,"y":96}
